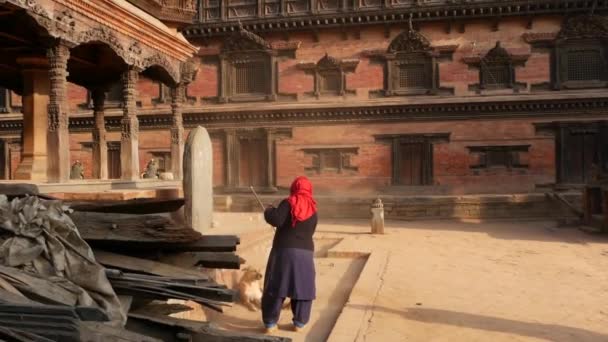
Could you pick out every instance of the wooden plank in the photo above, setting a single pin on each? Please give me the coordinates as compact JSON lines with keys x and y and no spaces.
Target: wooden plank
{"x":90,"y":331}
{"x":18,"y":335}
{"x":198,"y":331}
{"x":146,"y":266}
{"x":224,"y":260}
{"x":136,"y":206}
{"x":207,"y":243}
{"x":132,"y":228}
{"x":162,"y":309}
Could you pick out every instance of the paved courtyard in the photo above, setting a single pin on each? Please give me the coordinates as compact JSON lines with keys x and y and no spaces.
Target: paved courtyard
{"x":454,"y":281}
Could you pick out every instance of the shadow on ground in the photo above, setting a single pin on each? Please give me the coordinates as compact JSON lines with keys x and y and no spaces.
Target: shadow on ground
{"x":531,"y":230}
{"x":549,"y":332}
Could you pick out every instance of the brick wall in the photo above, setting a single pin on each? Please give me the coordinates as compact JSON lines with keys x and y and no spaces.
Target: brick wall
{"x":452,"y":160}
{"x":477,"y":39}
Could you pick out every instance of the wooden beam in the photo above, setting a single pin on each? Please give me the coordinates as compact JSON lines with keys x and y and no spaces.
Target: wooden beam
{"x":125,"y":262}
{"x":224,"y":260}
{"x":15,"y":38}
{"x":136,"y":206}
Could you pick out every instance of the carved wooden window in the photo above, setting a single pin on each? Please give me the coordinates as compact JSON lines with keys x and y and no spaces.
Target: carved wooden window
{"x":499,"y":156}
{"x":272,"y":8}
{"x":164,"y":94}
{"x":329,"y":74}
{"x":582,"y":65}
{"x":496,"y":69}
{"x":580,"y":55}
{"x":297,"y":6}
{"x":247,"y":68}
{"x":410,"y":65}
{"x":210,"y":10}
{"x":331,"y":159}
{"x":413,"y":72}
{"x":250,"y":77}
{"x":330,"y":82}
{"x":497,"y":76}
{"x":237,"y":9}
{"x":328,"y":5}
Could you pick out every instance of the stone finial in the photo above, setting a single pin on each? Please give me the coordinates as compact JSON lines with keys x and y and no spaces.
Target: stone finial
{"x":377,"y":221}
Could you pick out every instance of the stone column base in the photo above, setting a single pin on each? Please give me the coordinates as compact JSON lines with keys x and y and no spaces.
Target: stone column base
{"x":32,"y":168}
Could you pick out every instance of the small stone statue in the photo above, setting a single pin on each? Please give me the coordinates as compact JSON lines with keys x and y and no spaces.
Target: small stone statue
{"x":377,"y":221}
{"x":77,"y":170}
{"x":151,"y":169}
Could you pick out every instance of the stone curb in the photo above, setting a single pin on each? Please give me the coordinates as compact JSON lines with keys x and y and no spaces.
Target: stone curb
{"x":355,"y":315}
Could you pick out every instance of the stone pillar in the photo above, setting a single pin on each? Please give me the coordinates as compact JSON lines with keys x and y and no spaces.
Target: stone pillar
{"x":231,"y":147}
{"x":36,"y":88}
{"x":377,"y":217}
{"x":178,"y":94}
{"x":270,"y":155}
{"x":100,"y":145}
{"x":129,"y":142}
{"x":58,"y":140}
{"x":6,"y":154}
{"x":198,"y":180}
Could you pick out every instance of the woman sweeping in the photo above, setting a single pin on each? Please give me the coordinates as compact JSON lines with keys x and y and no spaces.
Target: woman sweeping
{"x":290,"y":272}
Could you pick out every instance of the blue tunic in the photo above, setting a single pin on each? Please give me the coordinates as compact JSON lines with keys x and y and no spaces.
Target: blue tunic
{"x":290,"y":272}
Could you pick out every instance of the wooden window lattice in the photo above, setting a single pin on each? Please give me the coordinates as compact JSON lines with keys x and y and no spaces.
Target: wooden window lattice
{"x":496,"y":76}
{"x":330,"y":82}
{"x":412,"y":76}
{"x":331,"y":159}
{"x":250,"y":78}
{"x":584,"y":65}
{"x":499,"y":156}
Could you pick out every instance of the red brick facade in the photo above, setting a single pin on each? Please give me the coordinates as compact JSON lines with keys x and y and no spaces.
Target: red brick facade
{"x":452,"y":161}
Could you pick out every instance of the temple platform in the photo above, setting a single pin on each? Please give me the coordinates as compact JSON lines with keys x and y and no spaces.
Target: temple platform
{"x":400,"y":207}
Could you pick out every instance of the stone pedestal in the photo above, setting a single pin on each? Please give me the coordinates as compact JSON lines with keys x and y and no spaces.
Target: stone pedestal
{"x":129,"y":141}
{"x":377,"y":221}
{"x":33,"y":165}
{"x":198,"y":180}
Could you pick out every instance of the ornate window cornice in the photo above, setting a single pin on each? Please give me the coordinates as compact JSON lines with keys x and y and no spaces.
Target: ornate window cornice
{"x":411,"y":65}
{"x":496,"y":69}
{"x":579,"y":53}
{"x":330,"y":75}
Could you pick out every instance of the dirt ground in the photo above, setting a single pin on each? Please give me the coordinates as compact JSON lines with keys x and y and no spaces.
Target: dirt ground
{"x":452,"y":281}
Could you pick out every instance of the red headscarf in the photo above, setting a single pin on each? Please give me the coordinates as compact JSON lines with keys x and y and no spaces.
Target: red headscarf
{"x":302,"y":204}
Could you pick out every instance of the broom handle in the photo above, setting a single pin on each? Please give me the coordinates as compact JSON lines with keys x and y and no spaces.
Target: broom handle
{"x":257,"y":198}
{"x":259,"y":201}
